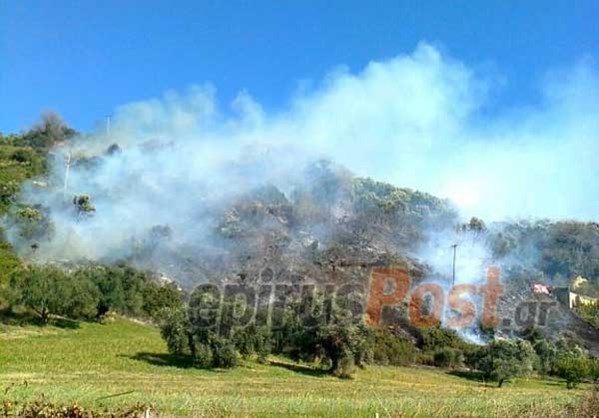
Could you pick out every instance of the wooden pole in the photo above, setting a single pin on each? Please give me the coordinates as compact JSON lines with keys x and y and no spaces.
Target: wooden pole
{"x":454,"y":246}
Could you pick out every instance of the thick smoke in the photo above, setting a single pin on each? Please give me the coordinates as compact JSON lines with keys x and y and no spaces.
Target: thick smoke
{"x":421,"y":120}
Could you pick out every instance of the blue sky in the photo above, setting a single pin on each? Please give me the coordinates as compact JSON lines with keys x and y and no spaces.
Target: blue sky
{"x":83,"y":59}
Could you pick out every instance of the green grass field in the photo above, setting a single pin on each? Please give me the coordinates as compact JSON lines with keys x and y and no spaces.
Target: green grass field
{"x":87,"y":364}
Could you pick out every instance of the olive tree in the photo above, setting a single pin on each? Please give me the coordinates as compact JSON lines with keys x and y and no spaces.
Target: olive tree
{"x":502,"y":360}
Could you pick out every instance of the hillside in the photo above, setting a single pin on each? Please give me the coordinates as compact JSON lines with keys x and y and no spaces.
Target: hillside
{"x":17,"y":163}
{"x":22,"y":157}
{"x":323,"y":225}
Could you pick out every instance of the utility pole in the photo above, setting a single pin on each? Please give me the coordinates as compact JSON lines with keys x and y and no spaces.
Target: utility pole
{"x":108,"y":125}
{"x":66,"y":174}
{"x":454,"y":246}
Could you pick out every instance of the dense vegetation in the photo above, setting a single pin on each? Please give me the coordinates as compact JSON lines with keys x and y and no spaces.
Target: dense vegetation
{"x":327,"y":336}
{"x":560,"y":250}
{"x":324,"y":335}
{"x":86,"y":293}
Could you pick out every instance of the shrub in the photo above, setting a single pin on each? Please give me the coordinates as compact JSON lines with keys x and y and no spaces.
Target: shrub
{"x":223,"y":352}
{"x":346,"y":366}
{"x":546,"y":357}
{"x":426,"y":359}
{"x":447,"y":357}
{"x":23,"y":155}
{"x":210,"y":350}
{"x":390,"y":349}
{"x":202,"y":357}
{"x":253,"y":340}
{"x":434,"y":338}
{"x":594,"y":366}
{"x":175,"y":331}
{"x":206,"y":348}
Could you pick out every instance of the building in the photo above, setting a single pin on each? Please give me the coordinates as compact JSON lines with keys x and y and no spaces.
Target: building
{"x":569,"y":297}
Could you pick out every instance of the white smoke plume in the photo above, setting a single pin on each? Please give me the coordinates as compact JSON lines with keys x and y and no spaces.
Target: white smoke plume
{"x":420,"y":120}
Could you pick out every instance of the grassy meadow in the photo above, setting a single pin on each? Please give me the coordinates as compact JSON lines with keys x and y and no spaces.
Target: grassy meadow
{"x":122,"y":363}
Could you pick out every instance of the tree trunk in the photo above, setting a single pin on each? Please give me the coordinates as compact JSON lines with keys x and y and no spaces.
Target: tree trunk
{"x":44,"y":316}
{"x":335,"y":363}
{"x":192,"y":345}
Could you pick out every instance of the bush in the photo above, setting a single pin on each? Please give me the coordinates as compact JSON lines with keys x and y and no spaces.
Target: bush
{"x":434,"y":338}
{"x":594,"y":366}
{"x":223,"y":352}
{"x":206,"y":348}
{"x":175,"y":331}
{"x":253,"y":340}
{"x":202,"y":357}
{"x":210,"y":350}
{"x":546,"y":357}
{"x":346,"y":366}
{"x":23,"y":155}
{"x":447,"y":357}
{"x":390,"y":349}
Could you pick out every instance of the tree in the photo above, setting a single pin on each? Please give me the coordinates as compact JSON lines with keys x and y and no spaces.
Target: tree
{"x":325,"y":332}
{"x":112,"y":293}
{"x":185,"y":333}
{"x":253,"y":340}
{"x":175,"y":331}
{"x":157,"y":297}
{"x":546,"y":357}
{"x":32,"y":224}
{"x":503,"y":360}
{"x":121,"y":288}
{"x":84,"y":297}
{"x":83,"y":205}
{"x":45,"y":290}
{"x":47,"y":132}
{"x":23,"y":155}
{"x":573,"y":366}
